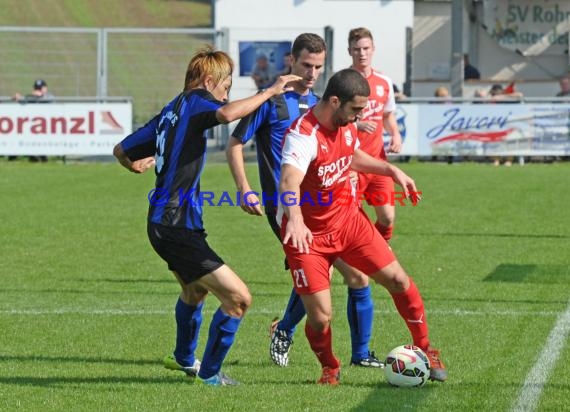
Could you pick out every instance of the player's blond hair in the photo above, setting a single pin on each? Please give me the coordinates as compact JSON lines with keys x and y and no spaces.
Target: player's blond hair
{"x":208,"y":62}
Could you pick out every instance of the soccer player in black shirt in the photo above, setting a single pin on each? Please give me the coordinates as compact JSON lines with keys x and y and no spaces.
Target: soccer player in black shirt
{"x":174,"y":142}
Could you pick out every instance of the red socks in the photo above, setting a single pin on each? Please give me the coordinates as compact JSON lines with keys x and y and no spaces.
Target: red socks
{"x":411,"y":307}
{"x":321,"y":344}
{"x":385,"y":231}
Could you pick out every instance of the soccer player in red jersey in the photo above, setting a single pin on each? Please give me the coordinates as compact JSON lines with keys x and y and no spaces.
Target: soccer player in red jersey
{"x":378,"y":114}
{"x":268,"y":124}
{"x":320,"y":149}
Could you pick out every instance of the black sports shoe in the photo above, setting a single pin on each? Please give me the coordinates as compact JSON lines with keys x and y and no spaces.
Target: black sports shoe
{"x":371,"y":361}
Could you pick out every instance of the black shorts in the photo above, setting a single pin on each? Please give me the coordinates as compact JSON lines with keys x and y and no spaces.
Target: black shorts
{"x":186,"y":251}
{"x":272,"y":219}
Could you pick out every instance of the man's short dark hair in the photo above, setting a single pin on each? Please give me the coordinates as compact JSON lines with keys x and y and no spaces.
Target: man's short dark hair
{"x":359,"y":33}
{"x":346,"y":84}
{"x":311,"y":42}
{"x":38,"y":84}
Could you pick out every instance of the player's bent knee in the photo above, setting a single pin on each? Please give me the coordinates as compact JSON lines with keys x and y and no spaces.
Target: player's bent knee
{"x":358,"y":282}
{"x":393,"y":278}
{"x":400,"y":284}
{"x":242,"y":303}
{"x":319,"y":324}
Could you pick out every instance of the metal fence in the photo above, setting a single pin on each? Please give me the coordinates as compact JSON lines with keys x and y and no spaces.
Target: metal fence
{"x":146,"y":64}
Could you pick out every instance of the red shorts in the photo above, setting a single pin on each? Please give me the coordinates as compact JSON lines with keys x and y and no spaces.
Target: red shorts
{"x":377,"y":190}
{"x":358,"y":243}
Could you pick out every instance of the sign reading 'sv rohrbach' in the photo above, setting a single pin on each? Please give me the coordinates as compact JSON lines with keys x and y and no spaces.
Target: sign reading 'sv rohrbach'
{"x":59,"y":129}
{"x":529,"y":26}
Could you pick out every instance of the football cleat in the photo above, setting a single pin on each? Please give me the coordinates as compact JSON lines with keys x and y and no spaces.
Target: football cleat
{"x":219,"y":379}
{"x":437,"y":368}
{"x":280,"y":344}
{"x":371,"y":361}
{"x":170,"y":362}
{"x":330,"y":376}
{"x":279,"y":347}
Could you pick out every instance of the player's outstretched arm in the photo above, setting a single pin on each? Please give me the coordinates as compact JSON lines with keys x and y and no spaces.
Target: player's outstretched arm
{"x":364,"y":163}
{"x":240,"y":108}
{"x":290,"y":188}
{"x":234,"y":154}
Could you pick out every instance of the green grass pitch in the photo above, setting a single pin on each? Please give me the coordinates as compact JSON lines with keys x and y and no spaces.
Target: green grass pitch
{"x":86,"y":307}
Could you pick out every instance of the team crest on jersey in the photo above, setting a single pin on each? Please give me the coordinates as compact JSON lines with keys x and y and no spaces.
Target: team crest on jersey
{"x":348,"y":138}
{"x":379,"y":91}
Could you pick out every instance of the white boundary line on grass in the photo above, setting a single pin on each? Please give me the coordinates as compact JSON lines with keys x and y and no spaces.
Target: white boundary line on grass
{"x":538,"y":376}
{"x":143,"y":312}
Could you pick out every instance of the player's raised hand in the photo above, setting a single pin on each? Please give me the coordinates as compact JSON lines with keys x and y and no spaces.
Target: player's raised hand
{"x":142,"y":165}
{"x":299,"y":235}
{"x":281,"y":85}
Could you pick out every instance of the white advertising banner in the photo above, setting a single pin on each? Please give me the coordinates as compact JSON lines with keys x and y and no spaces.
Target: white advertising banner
{"x":59,"y":129}
{"x":529,"y":27}
{"x":485,"y":129}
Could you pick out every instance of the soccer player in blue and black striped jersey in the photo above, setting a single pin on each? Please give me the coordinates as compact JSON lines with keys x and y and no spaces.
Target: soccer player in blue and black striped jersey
{"x":175,"y":142}
{"x":269,"y":124}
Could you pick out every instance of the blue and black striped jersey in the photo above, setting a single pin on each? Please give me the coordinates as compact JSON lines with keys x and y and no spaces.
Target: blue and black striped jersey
{"x":268,"y":124}
{"x":176,"y":137}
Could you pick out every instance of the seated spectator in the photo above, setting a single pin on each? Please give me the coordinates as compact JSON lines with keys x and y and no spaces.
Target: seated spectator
{"x":264,"y":73}
{"x":442,"y":95}
{"x":441,"y":91}
{"x":499,"y":94}
{"x":564,"y":87}
{"x":470,"y":72}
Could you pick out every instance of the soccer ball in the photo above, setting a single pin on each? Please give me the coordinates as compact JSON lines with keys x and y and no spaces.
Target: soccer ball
{"x":407,"y":366}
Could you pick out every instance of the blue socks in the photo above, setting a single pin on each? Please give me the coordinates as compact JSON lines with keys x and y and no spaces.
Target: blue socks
{"x":293,"y":314}
{"x":360,"y":312}
{"x":188,"y":321}
{"x":222,"y":333}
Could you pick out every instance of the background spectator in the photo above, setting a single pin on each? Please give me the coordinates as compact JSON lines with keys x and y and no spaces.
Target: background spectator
{"x":287,"y":61}
{"x":564,"y":87}
{"x":441,"y":91}
{"x":470,"y":72}
{"x":39,"y":94}
{"x":398,"y":95}
{"x":499,"y":94}
{"x":264,"y":73}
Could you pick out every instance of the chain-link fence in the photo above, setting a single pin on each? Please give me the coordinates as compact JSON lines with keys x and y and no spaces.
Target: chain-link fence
{"x":145,"y":64}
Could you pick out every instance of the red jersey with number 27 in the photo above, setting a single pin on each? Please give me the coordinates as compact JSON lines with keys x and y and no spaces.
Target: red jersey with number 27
{"x":325,"y":157}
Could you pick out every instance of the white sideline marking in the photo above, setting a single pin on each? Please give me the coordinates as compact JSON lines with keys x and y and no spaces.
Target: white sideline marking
{"x":144,"y":312}
{"x":538,"y":376}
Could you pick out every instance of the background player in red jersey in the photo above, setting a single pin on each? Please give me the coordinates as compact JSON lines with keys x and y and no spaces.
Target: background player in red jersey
{"x":319,"y":150}
{"x":378,"y":114}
